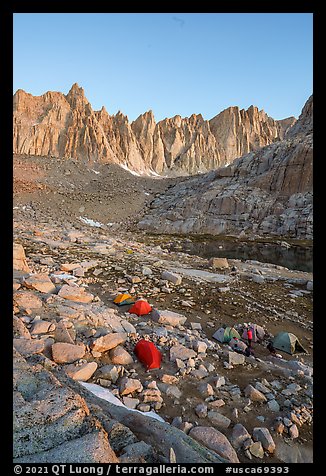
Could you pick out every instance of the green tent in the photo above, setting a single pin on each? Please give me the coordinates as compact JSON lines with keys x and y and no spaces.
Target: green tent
{"x":226,"y":334}
{"x":288,"y":342}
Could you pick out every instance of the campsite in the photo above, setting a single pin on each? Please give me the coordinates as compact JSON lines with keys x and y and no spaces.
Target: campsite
{"x":162,"y":240}
{"x":232,"y":306}
{"x":201,"y":382}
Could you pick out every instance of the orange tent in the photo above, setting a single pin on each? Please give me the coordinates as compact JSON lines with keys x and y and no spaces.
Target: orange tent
{"x":148,"y":354}
{"x":123,"y":299}
{"x":140,"y":308}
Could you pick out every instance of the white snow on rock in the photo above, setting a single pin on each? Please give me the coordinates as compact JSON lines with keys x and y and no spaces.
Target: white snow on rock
{"x":90,"y":222}
{"x":125,"y":167}
{"x":105,"y":394}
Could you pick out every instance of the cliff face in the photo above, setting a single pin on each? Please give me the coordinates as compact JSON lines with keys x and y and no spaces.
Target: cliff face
{"x":61,"y":126}
{"x":66,"y":126}
{"x":268,"y":191}
{"x":304,"y":125}
{"x":239,"y":132}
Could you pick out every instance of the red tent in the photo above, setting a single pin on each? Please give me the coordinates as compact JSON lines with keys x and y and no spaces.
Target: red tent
{"x":148,"y":354}
{"x":140,"y":308}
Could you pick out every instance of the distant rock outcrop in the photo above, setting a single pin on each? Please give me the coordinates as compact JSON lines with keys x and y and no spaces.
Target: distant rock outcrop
{"x":238,"y":131}
{"x":304,"y":125}
{"x":60,"y":126}
{"x":268,"y":191}
{"x":65,"y":126}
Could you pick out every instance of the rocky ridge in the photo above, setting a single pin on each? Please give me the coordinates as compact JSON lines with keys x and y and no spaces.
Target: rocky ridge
{"x":268,"y":191}
{"x":66,"y":126}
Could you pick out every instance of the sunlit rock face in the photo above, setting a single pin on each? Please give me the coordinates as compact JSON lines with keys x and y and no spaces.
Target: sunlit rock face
{"x":65,"y":126}
{"x":267,"y":191}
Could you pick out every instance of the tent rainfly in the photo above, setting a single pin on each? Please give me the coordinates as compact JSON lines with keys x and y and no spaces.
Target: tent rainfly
{"x":140,"y":308}
{"x":148,"y":354}
{"x":288,"y":342}
{"x":123,"y":299}
{"x":225,"y":334}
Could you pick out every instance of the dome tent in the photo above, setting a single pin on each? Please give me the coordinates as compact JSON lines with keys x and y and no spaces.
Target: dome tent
{"x":288,"y":342}
{"x":141,"y":307}
{"x":225,"y":334}
{"x":123,"y":299}
{"x":148,"y":354}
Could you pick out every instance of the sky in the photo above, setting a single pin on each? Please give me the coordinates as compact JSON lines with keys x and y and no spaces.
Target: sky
{"x":170,"y":63}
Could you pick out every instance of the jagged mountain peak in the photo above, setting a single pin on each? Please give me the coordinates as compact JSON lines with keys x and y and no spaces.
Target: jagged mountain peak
{"x":268,"y":191}
{"x":304,"y":125}
{"x":76,"y":97}
{"x":76,"y":89}
{"x":20,"y":92}
{"x":174,"y":145}
{"x":147,"y":116}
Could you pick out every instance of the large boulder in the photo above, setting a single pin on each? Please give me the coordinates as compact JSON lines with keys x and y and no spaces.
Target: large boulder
{"x":172,"y":277}
{"x":168,"y":317}
{"x":109,"y":341}
{"x":181,"y":352}
{"x":214,"y":440}
{"x":219,"y":420}
{"x":130,"y":385}
{"x":263,"y":435}
{"x":239,"y":435}
{"x":27,"y":346}
{"x":63,"y":353}
{"x":19,"y":258}
{"x":81,"y":372}
{"x":40,"y":282}
{"x":40,"y":326}
{"x":120,"y":356}
{"x":235,"y":358}
{"x":91,"y":448}
{"x":27,"y":300}
{"x":75,"y":293}
{"x":51,"y":422}
{"x":254,"y":394}
{"x":218,"y":263}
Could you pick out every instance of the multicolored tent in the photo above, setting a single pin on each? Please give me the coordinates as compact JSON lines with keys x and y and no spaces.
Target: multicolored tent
{"x":123,"y":299}
{"x":141,"y":308}
{"x":288,"y":342}
{"x":226,"y":334}
{"x":148,"y":354}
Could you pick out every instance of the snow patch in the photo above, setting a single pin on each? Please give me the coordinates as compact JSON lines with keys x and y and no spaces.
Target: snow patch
{"x":64,"y":276}
{"x":151,"y":172}
{"x":90,"y":222}
{"x":146,"y":173}
{"x":105,"y":394}
{"x":125,"y":167}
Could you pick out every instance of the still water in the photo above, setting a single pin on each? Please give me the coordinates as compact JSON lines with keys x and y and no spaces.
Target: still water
{"x":294,"y":257}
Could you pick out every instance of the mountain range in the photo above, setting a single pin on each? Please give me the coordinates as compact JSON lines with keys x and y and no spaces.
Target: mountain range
{"x":66,"y":126}
{"x":268,"y":191}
